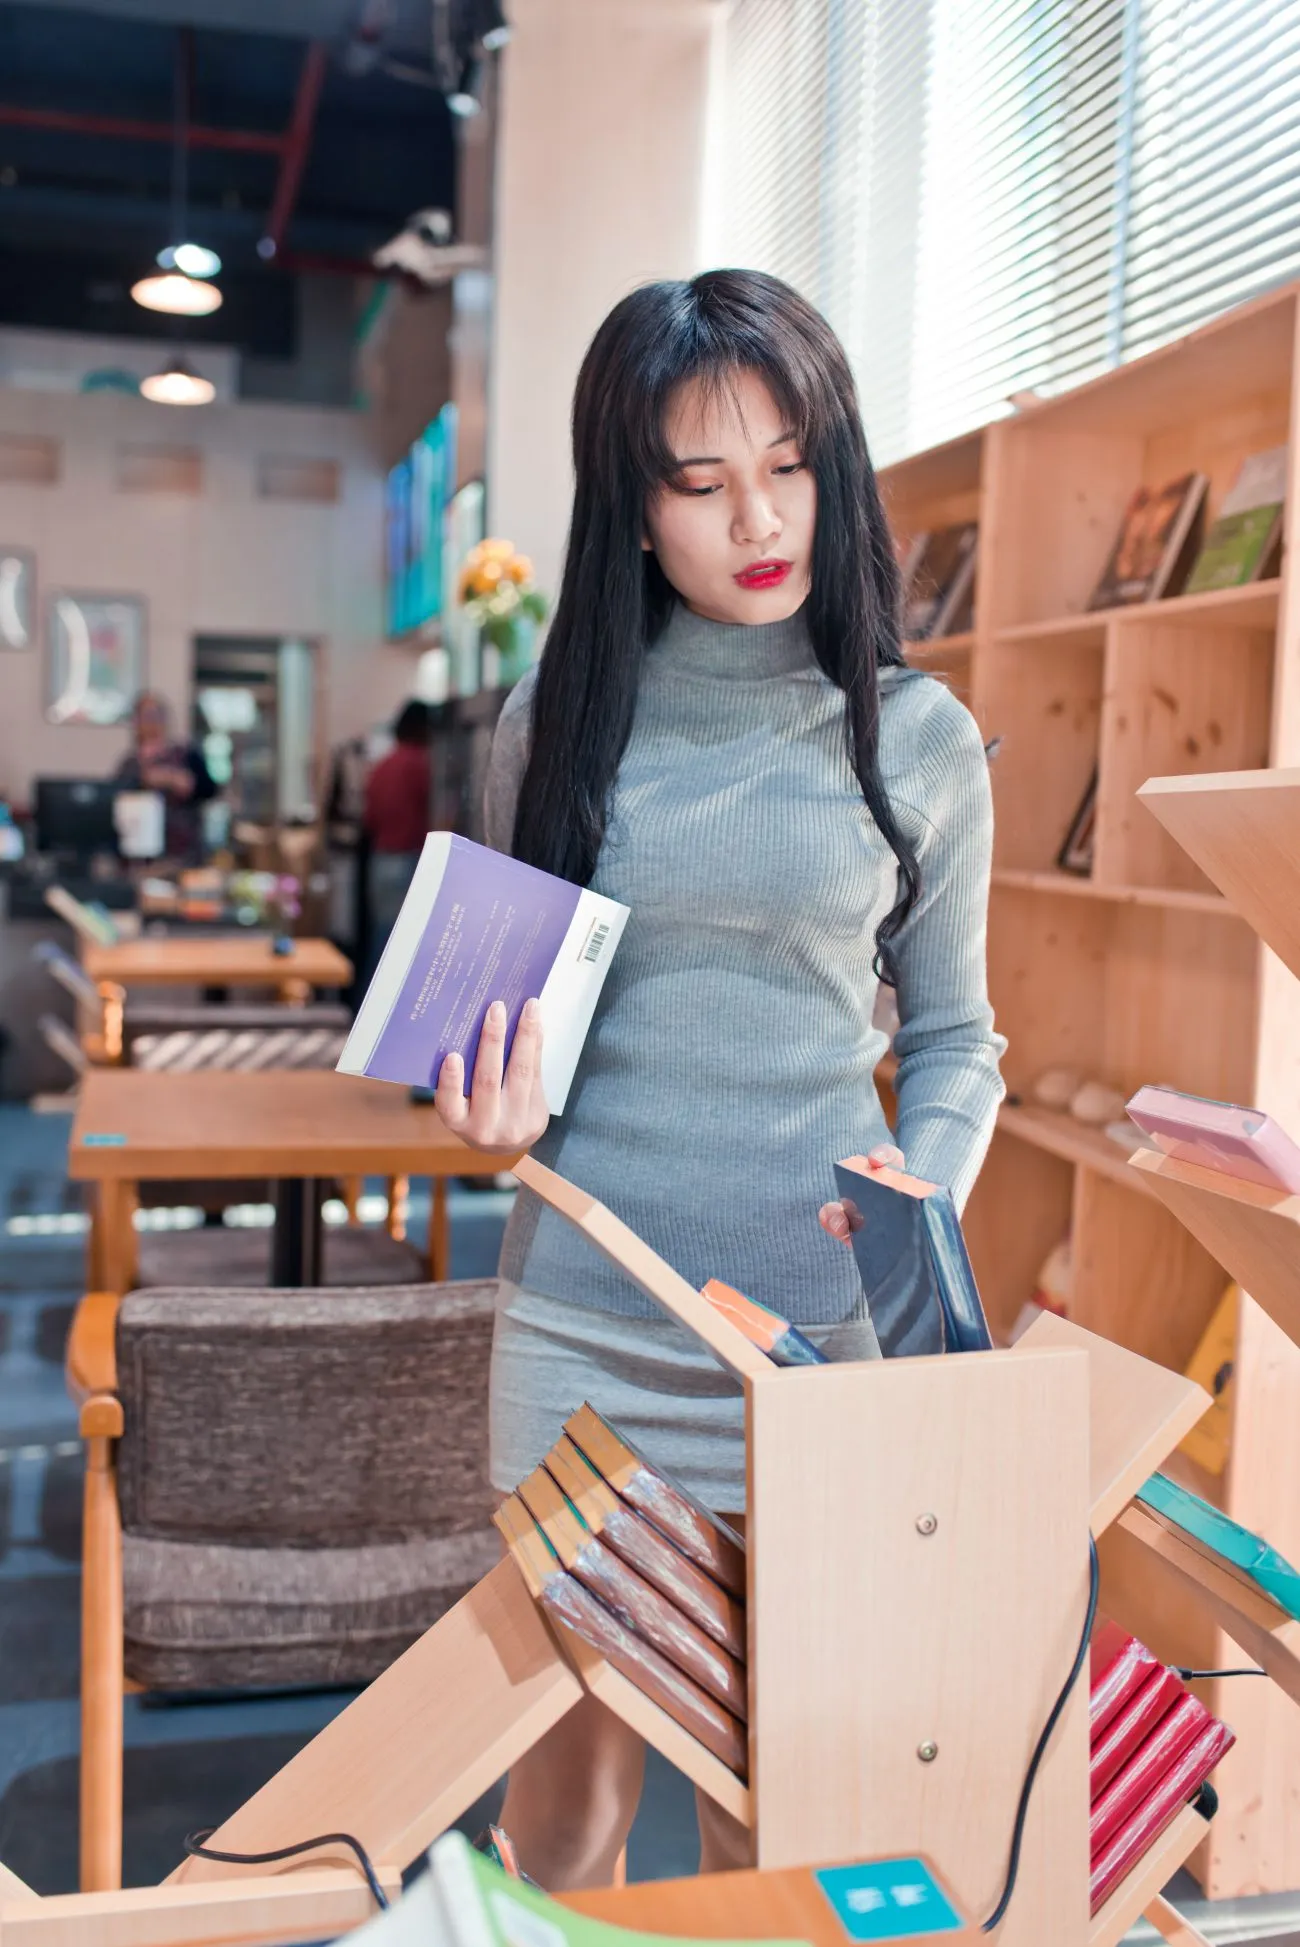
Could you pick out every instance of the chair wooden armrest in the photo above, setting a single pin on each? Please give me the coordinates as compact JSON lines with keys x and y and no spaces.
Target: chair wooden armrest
{"x":91,"y":1362}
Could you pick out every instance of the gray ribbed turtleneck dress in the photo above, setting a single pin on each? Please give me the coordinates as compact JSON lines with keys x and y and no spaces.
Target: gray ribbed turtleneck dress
{"x":731,"y":1062}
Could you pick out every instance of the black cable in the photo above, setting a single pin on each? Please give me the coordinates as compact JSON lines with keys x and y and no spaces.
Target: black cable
{"x":1191,"y":1676}
{"x":195,"y":1845}
{"x":1022,"y":1810}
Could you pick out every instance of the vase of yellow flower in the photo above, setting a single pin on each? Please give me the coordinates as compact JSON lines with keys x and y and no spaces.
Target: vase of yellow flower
{"x":496,"y":591}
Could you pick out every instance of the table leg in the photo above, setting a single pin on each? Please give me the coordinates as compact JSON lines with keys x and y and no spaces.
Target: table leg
{"x":439,"y":1233}
{"x":297,"y":1253}
{"x":112,"y":1237}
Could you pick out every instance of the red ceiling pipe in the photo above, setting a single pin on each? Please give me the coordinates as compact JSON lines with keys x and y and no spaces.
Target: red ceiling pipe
{"x":116,"y":128}
{"x":297,"y":142}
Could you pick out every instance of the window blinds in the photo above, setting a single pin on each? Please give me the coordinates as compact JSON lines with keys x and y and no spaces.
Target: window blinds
{"x":989,"y":195}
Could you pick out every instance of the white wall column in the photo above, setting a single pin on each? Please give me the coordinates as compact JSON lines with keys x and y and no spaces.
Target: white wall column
{"x":600,"y":187}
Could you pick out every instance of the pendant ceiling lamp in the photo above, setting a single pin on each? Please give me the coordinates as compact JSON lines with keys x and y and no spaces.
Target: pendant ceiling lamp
{"x":180,"y":285}
{"x":178,"y":384}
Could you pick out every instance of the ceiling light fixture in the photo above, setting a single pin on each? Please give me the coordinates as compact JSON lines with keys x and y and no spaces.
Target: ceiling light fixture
{"x":184,"y":265}
{"x":178,"y":384}
{"x":494,"y":28}
{"x":171,"y":290}
{"x":464,"y":97}
{"x":193,"y":259}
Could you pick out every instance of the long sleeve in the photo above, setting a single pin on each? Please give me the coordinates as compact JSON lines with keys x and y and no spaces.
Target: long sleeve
{"x":507,"y":761}
{"x":948,"y":1083}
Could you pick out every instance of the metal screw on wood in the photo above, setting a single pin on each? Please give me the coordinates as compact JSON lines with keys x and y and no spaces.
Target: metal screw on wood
{"x":928,"y":1751}
{"x":926,"y":1523}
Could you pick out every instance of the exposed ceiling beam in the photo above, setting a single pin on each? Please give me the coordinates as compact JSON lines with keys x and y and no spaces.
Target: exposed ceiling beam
{"x":293,"y":158}
{"x":119,"y":128}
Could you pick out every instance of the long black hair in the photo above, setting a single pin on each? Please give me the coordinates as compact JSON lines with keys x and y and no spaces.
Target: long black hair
{"x":614,"y":598}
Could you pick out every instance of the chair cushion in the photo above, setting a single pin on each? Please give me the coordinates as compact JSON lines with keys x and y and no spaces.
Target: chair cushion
{"x":234,"y":1257}
{"x":275,"y":1038}
{"x":305,"y":1419}
{"x":203,"y":1616}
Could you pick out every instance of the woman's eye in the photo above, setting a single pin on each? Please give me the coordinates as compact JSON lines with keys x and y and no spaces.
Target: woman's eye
{"x":695,"y":493}
{"x":795,"y":466}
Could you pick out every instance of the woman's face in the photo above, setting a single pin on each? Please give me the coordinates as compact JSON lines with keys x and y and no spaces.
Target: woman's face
{"x":734,"y":531}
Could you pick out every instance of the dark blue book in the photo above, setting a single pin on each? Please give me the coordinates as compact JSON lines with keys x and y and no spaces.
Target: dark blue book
{"x":911,"y":1257}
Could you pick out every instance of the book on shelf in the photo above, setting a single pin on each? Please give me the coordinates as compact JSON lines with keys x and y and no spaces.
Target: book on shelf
{"x":1223,"y":1136}
{"x":1152,"y":1747}
{"x":714,"y":1609}
{"x":784,"y":1343}
{"x":1156,"y":539}
{"x":1211,"y":1367}
{"x":1180,"y":1785}
{"x":636,"y":1602}
{"x":1218,"y":1536}
{"x":938,"y":591}
{"x":1131,"y":1727}
{"x":704,"y":1538}
{"x":1245,"y":537}
{"x":572,"y":1605}
{"x":477,"y":927}
{"x":1079,"y":844}
{"x":912,"y":1262}
{"x":1119,"y":1666}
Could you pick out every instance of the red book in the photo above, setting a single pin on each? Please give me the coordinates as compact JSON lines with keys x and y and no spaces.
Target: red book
{"x":1120,"y":1666}
{"x":1135,"y":1722}
{"x":1176,"y":1789}
{"x":1142,"y":1775}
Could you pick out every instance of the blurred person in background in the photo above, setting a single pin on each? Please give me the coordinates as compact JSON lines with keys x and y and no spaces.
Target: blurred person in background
{"x":159,"y":761}
{"x":396,"y":822}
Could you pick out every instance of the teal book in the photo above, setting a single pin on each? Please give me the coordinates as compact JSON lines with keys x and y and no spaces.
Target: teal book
{"x":1242,"y":1550}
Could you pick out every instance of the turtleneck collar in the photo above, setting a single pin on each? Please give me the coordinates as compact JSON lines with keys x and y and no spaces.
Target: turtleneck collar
{"x":733,"y":651}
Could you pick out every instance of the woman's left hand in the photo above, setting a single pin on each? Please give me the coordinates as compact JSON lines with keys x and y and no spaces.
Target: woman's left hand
{"x":840,"y":1220}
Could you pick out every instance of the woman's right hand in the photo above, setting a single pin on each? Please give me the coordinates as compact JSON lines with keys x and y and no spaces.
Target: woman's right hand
{"x":505,"y":1112}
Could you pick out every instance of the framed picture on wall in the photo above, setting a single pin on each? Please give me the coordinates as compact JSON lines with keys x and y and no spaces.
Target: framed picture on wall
{"x":17,"y":598}
{"x":95,"y":651}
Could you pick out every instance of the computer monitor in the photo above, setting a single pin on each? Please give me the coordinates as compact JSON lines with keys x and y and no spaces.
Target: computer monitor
{"x":75,"y":814}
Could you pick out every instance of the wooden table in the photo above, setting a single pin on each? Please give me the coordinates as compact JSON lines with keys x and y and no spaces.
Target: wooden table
{"x":222,"y":962}
{"x":300,"y":1127}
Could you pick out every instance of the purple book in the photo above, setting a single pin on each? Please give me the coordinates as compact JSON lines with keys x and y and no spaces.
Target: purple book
{"x":478,"y":927}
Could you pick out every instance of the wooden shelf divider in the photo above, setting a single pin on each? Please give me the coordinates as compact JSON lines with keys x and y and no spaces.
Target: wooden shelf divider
{"x":1252,"y":1231}
{"x":1243,"y":830}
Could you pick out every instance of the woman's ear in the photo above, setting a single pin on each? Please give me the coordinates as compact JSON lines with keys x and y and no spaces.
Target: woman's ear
{"x":647,"y":545}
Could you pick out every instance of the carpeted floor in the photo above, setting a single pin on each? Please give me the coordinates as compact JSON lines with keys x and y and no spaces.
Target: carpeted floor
{"x":187,"y":1765}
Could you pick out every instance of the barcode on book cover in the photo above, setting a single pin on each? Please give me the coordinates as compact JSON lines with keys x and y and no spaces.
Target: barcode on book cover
{"x":595,"y":944}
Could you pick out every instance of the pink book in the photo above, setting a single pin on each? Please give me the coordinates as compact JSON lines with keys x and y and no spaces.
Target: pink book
{"x":1222,"y":1136}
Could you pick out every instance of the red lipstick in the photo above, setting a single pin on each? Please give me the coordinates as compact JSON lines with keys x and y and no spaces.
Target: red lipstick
{"x":763,"y":574}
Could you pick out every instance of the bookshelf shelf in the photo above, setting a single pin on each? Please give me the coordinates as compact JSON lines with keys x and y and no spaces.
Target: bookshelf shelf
{"x":1252,"y":607}
{"x":1069,"y":885}
{"x":1073,"y":1141}
{"x":1149,"y":970}
{"x":1253,"y":1232}
{"x":943,"y":645}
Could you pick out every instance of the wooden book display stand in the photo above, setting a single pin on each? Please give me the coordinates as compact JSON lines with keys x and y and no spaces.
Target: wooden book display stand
{"x":917,"y":1559}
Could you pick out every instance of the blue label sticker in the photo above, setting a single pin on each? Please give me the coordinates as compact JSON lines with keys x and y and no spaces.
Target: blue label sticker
{"x":888,"y":1899}
{"x":104,"y":1142}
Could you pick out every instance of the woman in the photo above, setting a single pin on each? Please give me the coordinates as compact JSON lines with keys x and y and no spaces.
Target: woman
{"x":158,"y":762}
{"x":722,"y":735}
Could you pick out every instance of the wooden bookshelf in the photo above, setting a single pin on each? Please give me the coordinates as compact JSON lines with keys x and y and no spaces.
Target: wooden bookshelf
{"x":1145,"y":971}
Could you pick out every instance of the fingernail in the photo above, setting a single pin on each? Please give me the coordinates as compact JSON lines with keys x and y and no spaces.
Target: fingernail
{"x":452,"y":1065}
{"x":497,"y":1013}
{"x":531,"y":1011}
